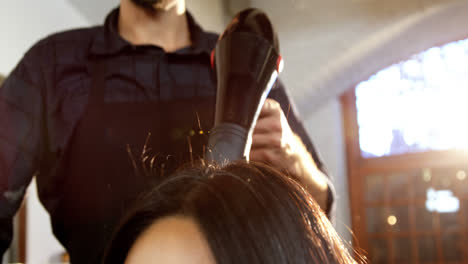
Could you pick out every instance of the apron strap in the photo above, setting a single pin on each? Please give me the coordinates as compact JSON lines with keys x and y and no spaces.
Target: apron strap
{"x":98,"y":72}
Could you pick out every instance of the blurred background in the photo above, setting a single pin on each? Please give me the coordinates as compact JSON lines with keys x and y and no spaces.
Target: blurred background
{"x":382,"y":87}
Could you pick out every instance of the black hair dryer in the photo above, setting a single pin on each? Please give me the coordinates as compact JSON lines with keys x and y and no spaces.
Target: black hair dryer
{"x":247,"y":63}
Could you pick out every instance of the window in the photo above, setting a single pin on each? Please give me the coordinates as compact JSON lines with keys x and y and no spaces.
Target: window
{"x":416,"y":105}
{"x":407,"y":148}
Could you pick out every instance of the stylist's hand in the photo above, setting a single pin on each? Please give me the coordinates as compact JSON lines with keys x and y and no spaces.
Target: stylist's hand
{"x":274,"y":143}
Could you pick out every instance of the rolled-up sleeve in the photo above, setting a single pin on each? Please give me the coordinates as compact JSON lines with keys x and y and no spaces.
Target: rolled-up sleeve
{"x":279,"y":93}
{"x":21,"y":115}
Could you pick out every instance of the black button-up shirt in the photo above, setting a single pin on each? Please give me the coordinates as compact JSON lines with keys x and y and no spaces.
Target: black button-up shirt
{"x":45,"y":96}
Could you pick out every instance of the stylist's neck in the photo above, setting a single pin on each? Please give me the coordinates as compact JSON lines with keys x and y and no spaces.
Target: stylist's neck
{"x":166,"y":28}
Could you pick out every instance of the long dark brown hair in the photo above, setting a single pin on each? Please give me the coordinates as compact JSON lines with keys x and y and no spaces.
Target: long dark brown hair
{"x":249,"y":213}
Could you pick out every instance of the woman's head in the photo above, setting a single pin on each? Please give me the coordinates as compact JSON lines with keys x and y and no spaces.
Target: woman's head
{"x":242,"y":213}
{"x":171,"y":240}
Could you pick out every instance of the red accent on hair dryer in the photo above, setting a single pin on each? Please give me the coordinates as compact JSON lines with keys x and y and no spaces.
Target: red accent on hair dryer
{"x":247,"y":62}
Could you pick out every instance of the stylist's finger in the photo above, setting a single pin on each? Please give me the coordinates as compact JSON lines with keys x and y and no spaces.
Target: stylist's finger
{"x":268,"y":140}
{"x":270,"y":107}
{"x":268,"y":124}
{"x":264,"y":155}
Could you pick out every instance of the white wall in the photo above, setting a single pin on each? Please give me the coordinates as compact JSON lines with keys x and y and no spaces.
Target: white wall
{"x":24,"y":22}
{"x":208,"y":13}
{"x":94,"y":11}
{"x":41,"y":245}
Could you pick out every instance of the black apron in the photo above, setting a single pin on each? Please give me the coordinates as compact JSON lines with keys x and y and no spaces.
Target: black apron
{"x":99,"y":178}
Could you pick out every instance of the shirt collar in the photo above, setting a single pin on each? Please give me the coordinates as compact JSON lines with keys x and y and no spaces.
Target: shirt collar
{"x":108,"y":41}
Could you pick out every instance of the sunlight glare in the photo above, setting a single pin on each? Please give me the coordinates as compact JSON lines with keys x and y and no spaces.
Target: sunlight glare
{"x":417,"y":105}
